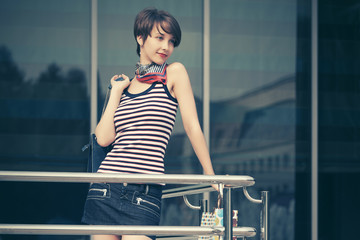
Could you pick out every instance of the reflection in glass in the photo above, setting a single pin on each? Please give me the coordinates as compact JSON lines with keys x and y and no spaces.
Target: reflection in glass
{"x":44,"y":102}
{"x":253,"y":115}
{"x":44,"y":52}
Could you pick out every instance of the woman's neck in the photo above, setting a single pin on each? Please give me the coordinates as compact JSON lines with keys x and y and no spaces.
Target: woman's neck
{"x":143,"y":61}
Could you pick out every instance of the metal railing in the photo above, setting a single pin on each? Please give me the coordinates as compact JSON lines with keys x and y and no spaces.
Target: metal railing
{"x":227,"y":231}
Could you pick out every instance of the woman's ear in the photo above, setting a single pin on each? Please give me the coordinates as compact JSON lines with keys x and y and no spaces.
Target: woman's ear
{"x":139,"y":40}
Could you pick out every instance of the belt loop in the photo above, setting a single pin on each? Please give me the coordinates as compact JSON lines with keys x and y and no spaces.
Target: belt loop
{"x":147,"y":189}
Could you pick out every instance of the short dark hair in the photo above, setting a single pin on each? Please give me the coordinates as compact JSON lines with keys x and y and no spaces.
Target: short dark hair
{"x":150,"y":17}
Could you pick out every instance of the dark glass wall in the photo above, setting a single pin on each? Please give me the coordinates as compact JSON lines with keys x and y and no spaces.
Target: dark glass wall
{"x":254,"y":104}
{"x":260,"y":111}
{"x":339,"y":119}
{"x":44,"y":102}
{"x":44,"y":50}
{"x":303,"y":219}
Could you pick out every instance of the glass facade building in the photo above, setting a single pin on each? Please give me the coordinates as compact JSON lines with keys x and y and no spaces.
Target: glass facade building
{"x":277,"y":94}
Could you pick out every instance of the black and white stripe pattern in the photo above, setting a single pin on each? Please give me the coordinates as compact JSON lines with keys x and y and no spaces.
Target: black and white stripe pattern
{"x":143,"y":123}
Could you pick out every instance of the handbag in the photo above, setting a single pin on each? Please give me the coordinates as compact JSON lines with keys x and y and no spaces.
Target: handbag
{"x":216,"y":218}
{"x":97,"y":153}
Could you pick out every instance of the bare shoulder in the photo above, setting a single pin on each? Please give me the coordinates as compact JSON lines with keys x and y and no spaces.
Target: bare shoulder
{"x":177,"y":76}
{"x":176,"y":72}
{"x":176,"y":68}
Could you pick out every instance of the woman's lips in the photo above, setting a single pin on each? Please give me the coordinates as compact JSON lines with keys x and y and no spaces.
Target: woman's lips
{"x":163,"y":55}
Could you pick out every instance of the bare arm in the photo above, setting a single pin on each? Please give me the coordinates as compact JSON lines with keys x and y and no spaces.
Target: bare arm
{"x":105,"y":130}
{"x":184,"y":94}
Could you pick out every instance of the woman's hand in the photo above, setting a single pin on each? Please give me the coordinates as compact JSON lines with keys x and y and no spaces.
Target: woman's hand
{"x":119,"y":82}
{"x":216,"y":187}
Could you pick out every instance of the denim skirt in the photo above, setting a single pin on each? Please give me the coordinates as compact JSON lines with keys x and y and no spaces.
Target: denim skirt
{"x":123,"y":204}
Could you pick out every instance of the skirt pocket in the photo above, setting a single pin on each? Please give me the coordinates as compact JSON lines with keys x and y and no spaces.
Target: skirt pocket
{"x":147,"y":203}
{"x":99,"y":191}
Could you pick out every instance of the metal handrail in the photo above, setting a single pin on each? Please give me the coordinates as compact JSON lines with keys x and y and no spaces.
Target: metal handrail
{"x":128,"y":178}
{"x":228,"y":231}
{"x":58,"y":229}
{"x":188,"y":190}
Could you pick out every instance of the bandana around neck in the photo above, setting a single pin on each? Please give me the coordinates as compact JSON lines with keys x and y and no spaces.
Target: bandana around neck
{"x":151,"y":73}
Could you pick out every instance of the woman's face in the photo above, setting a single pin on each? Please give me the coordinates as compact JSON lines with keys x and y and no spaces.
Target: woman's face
{"x":157,"y":48}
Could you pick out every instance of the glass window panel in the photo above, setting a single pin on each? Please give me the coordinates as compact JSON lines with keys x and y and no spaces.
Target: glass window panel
{"x":256,"y":101}
{"x":44,"y":102}
{"x":253,"y":103}
{"x":44,"y":51}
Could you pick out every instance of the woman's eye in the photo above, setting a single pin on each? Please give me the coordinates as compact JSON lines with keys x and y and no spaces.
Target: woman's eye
{"x":160,"y":38}
{"x":172,"y":41}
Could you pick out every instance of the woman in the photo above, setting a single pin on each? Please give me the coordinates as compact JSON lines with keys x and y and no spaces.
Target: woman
{"x":138,"y":121}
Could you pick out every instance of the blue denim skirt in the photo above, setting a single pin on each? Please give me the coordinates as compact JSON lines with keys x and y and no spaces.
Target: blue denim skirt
{"x":123,"y":204}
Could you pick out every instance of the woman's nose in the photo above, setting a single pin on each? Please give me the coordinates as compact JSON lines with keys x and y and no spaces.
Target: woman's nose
{"x":165,"y":45}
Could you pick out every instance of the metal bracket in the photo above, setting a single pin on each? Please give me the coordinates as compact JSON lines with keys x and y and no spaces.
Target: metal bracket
{"x":246,"y":193}
{"x":264,"y":219}
{"x":189,"y":204}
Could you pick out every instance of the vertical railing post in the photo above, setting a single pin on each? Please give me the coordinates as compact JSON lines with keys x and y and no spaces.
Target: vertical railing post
{"x":264,"y":224}
{"x":94,"y":66}
{"x":228,"y":235}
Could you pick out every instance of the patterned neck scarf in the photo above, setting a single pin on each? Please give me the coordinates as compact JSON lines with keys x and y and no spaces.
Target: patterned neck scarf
{"x":151,"y":73}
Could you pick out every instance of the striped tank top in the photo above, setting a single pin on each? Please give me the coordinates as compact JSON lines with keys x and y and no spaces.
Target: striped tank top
{"x":143,"y":124}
